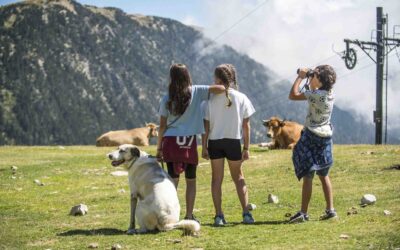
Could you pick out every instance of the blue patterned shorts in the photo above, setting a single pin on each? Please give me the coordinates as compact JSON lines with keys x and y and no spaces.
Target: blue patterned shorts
{"x":312,"y":153}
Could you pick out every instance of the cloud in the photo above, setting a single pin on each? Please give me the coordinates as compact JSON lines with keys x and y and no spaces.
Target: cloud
{"x":189,"y":20}
{"x":284,"y":35}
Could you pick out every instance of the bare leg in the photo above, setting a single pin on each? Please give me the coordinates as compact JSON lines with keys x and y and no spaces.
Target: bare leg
{"x":306,"y":193}
{"x":327,"y":187}
{"x":237,"y":175}
{"x":217,"y":167}
{"x":190,"y":196}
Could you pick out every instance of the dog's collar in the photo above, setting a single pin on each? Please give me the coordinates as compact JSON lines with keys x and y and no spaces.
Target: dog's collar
{"x":133,"y":162}
{"x":146,"y":156}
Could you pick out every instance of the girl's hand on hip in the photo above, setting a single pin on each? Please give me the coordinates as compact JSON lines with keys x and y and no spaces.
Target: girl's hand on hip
{"x":245,"y":155}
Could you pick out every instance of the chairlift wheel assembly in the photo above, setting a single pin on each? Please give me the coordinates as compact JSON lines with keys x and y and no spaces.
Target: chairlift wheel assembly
{"x":350,"y":58}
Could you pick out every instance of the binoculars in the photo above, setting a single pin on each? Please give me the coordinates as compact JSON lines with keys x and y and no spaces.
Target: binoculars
{"x":310,"y":73}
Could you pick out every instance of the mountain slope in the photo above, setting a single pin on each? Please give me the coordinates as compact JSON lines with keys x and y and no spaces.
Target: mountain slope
{"x":70,"y":72}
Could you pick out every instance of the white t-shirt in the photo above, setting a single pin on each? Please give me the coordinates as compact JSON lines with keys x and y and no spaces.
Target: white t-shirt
{"x":226,"y":122}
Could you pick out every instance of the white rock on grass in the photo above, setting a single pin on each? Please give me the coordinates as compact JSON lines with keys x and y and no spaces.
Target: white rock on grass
{"x":14,"y":169}
{"x":39,"y":183}
{"x":80,"y":209}
{"x":116,"y":247}
{"x":119,"y":173}
{"x":93,"y":245}
{"x":251,"y":206}
{"x":344,"y":236}
{"x":273,"y":199}
{"x":368,"y":199}
{"x":387,"y":212}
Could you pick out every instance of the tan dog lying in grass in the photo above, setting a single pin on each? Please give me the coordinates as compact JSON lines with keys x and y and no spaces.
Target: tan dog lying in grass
{"x":154,"y":200}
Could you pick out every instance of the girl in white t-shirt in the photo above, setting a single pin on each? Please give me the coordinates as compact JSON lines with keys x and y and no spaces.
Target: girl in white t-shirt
{"x":225,"y":117}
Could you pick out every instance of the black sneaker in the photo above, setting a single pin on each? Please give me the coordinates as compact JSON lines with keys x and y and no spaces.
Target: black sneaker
{"x":299,"y":217}
{"x":192,"y":218}
{"x":329,"y":214}
{"x":219,"y":220}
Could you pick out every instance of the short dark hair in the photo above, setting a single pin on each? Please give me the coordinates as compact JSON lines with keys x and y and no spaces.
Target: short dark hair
{"x":327,"y":76}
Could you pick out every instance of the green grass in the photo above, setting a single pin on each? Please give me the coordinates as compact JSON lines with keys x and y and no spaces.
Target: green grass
{"x":36,"y":217}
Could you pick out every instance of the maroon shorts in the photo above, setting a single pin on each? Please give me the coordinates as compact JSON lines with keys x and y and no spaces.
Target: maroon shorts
{"x":181,"y":151}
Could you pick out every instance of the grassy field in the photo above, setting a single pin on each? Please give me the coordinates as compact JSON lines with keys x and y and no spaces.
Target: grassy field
{"x":36,"y":217}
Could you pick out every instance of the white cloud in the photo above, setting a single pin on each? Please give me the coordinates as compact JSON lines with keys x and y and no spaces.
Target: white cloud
{"x":284,"y":35}
{"x":189,"y":20}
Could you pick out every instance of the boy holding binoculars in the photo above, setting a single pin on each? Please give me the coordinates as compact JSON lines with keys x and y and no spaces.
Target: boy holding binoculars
{"x":313,"y":152}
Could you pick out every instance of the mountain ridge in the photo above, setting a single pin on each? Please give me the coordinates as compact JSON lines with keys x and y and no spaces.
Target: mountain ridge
{"x":76,"y":71}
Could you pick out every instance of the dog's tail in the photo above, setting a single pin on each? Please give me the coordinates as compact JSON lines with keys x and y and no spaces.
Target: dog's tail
{"x":188,"y":225}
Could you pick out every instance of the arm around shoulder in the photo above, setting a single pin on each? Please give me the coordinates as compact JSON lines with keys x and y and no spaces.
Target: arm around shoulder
{"x":216,"y":89}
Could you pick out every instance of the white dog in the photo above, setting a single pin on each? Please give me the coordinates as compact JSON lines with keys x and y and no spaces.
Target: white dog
{"x":154,"y":200}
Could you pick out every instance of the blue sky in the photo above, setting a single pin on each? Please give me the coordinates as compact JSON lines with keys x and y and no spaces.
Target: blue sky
{"x":180,"y":10}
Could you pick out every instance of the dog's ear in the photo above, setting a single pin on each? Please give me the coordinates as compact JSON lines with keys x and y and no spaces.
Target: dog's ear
{"x":282,"y":123}
{"x":135,"y":152}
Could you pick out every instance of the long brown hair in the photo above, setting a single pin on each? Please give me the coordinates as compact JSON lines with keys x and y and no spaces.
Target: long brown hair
{"x":179,"y":90}
{"x":227,"y":74}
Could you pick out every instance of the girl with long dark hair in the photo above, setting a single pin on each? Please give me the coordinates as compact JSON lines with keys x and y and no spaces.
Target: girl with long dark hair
{"x":180,"y":122}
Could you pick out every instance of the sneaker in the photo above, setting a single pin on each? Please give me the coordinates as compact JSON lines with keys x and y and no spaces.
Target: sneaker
{"x":248,"y":218}
{"x":219,"y":220}
{"x":329,"y":214}
{"x":299,"y":217}
{"x":192,"y":218}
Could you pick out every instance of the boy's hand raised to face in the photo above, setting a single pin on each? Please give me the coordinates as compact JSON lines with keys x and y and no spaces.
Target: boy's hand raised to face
{"x":303,"y":72}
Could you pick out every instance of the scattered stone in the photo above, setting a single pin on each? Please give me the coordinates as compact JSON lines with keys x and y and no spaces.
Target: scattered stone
{"x":273,"y":199}
{"x":116,"y":247}
{"x":61,"y":147}
{"x":344,"y":236}
{"x":122,"y":191}
{"x":93,"y":245}
{"x":80,"y":209}
{"x":13,"y":177}
{"x":368,"y":153}
{"x":368,"y":199}
{"x":288,"y":215}
{"x":175,"y":241}
{"x":39,"y":183}
{"x":387,"y":212}
{"x":119,"y":173}
{"x":251,"y":206}
{"x":14,"y":169}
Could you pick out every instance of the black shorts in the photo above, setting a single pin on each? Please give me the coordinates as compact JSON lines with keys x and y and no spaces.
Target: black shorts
{"x":225,"y":148}
{"x":190,"y":171}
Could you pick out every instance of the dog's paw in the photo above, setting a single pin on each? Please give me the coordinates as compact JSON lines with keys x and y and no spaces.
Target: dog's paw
{"x":131,"y":231}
